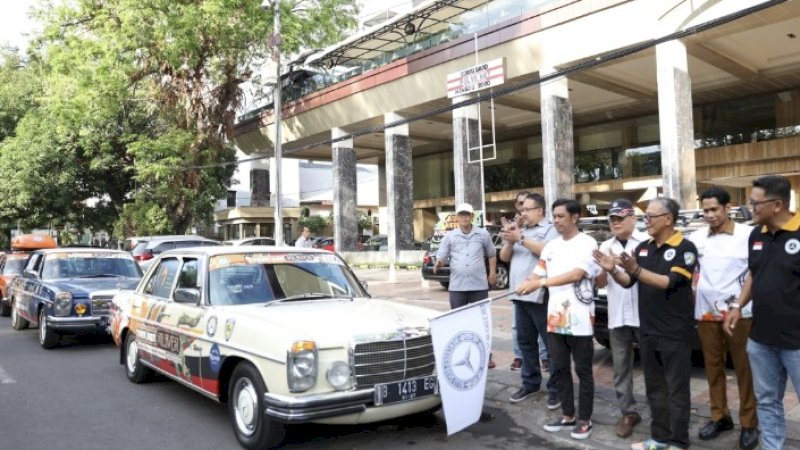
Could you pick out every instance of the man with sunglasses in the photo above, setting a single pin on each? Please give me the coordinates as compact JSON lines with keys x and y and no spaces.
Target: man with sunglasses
{"x":722,"y":256}
{"x":663,"y":267}
{"x":522,"y":246}
{"x":773,"y":284}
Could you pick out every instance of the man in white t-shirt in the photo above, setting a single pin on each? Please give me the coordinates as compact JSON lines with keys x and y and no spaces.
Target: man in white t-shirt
{"x":566,"y":268}
{"x":623,"y":312}
{"x":722,"y":249}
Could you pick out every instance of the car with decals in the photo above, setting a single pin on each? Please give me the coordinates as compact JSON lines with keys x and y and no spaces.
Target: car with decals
{"x":282,"y":335}
{"x":66,"y":291}
{"x":11,"y":264}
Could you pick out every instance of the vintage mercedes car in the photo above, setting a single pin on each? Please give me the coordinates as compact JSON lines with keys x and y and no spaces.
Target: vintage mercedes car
{"x":282,"y":335}
{"x":11,"y":264}
{"x":69,"y":290}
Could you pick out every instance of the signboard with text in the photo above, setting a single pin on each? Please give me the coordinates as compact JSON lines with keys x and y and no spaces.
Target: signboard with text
{"x":477,"y":78}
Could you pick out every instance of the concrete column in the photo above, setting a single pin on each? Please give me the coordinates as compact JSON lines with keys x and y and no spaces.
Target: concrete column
{"x":558,"y":148}
{"x":345,"y":211}
{"x":675,"y":123}
{"x":468,"y":187}
{"x":399,"y":189}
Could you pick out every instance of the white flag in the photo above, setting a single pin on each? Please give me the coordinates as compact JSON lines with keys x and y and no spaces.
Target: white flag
{"x":462,"y":340}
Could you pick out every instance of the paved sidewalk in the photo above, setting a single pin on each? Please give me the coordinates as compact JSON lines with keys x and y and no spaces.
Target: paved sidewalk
{"x":532,"y":414}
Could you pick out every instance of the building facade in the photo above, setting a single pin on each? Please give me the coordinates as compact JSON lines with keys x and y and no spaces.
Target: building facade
{"x":599,"y":100}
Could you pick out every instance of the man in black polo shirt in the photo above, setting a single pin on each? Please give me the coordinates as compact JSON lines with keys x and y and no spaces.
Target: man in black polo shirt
{"x":774,"y":286}
{"x":663,"y":266}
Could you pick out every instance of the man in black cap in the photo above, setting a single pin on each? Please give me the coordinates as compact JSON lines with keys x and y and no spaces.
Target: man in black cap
{"x":623,"y":312}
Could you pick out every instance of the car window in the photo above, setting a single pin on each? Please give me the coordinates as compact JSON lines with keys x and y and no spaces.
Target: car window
{"x":139,"y":248}
{"x":185,"y":244}
{"x":162,"y":279}
{"x":34,"y":262}
{"x":239,"y":285}
{"x":162,"y":247}
{"x":13,"y":266}
{"x":188,"y":277}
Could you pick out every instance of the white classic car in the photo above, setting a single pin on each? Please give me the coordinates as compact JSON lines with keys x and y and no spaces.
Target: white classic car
{"x":283,"y":335}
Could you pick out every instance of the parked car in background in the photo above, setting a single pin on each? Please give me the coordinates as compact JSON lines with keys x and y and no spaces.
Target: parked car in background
{"x":328,"y":243}
{"x":442,"y":275}
{"x":149,"y":247}
{"x":251,"y":241}
{"x":66,"y":290}
{"x":11,"y":264}
{"x":284,"y":335}
{"x":378,"y":242}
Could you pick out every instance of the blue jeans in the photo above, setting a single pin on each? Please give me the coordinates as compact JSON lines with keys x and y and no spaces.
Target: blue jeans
{"x":531,"y":319}
{"x":770,"y":366}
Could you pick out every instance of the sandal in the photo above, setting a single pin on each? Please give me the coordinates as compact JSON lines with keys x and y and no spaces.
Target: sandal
{"x":649,"y":444}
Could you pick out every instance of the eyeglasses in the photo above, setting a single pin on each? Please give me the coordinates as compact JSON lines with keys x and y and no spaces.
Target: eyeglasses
{"x":530,"y":209}
{"x":521,"y":202}
{"x":754,"y":203}
{"x":650,"y":217}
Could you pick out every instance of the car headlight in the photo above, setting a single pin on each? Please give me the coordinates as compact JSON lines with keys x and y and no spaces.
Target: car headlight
{"x":301,"y":366}
{"x":339,"y":375}
{"x":63,"y":304}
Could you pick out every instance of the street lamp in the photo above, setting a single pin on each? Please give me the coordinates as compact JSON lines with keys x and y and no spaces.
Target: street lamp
{"x":276,"y":103}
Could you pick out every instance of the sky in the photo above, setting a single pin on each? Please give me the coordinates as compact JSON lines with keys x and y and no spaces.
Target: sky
{"x":14,"y":22}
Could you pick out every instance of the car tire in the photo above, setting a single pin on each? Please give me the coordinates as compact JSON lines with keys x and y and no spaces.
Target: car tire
{"x":253,"y":429}
{"x":134,"y":369}
{"x":445,"y":284}
{"x":502,"y":277}
{"x":48,"y":338}
{"x":5,"y":309}
{"x":17,"y":322}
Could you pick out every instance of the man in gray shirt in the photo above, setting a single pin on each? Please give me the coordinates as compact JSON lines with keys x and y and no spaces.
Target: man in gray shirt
{"x":467,"y":247}
{"x":522,"y":247}
{"x":305,"y":241}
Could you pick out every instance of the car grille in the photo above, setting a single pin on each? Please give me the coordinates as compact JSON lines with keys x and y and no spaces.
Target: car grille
{"x":101,"y":305}
{"x":390,"y":361}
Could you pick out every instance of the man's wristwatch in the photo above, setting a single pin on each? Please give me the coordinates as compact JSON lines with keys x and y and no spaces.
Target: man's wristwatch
{"x":521,"y":240}
{"x":615,"y":271}
{"x":734,"y":305}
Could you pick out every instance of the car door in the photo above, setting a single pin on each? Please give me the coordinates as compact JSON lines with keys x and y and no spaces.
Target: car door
{"x":148,"y":311}
{"x":27,"y":289}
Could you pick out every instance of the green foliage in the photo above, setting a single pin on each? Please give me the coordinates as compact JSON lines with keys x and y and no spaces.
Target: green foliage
{"x":364,"y":223}
{"x":132,"y":102}
{"x":314,"y":223}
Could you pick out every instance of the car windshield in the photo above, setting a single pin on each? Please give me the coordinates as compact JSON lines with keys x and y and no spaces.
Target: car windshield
{"x":69,"y":265}
{"x":139,"y":248}
{"x":261,"y":278}
{"x":14,"y":266}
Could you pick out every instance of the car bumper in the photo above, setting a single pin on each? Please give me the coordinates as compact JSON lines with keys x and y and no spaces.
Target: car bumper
{"x":78,"y":324}
{"x":347,"y":407}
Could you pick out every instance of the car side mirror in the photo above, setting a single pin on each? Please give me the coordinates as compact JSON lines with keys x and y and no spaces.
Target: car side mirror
{"x":187,"y":295}
{"x":29,"y":274}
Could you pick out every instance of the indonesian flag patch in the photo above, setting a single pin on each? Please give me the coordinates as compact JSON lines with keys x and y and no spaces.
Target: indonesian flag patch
{"x":758,"y":245}
{"x":643,"y":252}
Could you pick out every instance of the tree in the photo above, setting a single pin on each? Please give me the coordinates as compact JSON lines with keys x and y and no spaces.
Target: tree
{"x":314,"y":223}
{"x":139,"y":98}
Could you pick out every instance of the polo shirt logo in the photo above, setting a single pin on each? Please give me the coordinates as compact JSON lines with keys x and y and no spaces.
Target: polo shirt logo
{"x":669,"y":254}
{"x":758,"y":245}
{"x":792,"y":246}
{"x":643,"y":252}
{"x":688,"y":258}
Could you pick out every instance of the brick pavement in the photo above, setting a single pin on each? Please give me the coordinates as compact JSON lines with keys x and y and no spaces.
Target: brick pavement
{"x":532,"y":413}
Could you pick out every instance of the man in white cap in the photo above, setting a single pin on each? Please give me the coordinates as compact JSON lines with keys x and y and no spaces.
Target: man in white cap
{"x":468,"y":247}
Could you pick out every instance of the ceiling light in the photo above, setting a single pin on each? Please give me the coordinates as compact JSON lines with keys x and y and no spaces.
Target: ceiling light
{"x":410,"y":29}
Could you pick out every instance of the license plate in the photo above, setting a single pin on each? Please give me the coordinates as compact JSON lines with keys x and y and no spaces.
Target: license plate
{"x":406,"y":390}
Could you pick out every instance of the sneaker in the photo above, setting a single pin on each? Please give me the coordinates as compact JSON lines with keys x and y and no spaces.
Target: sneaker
{"x":624,"y":426}
{"x":582,"y":430}
{"x":516,"y":364}
{"x":560,"y":424}
{"x":553,"y":402}
{"x":521,"y":395}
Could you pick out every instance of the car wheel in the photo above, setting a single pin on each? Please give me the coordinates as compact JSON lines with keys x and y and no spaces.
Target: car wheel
{"x":502,"y":277}
{"x":47,"y":337}
{"x":245,"y":407}
{"x":445,"y":284}
{"x":5,"y":309}
{"x":134,"y":369}
{"x":17,"y":322}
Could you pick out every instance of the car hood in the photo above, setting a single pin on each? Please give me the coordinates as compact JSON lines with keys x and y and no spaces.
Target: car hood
{"x":336,"y":322}
{"x":84,"y":286}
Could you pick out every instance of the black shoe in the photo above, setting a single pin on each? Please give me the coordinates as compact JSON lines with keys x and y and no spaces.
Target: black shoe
{"x":712,"y":429}
{"x":748,"y":440}
{"x":521,"y":395}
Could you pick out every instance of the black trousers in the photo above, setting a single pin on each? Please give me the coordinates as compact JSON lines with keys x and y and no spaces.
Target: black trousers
{"x":581,"y":349}
{"x":667,"y":366}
